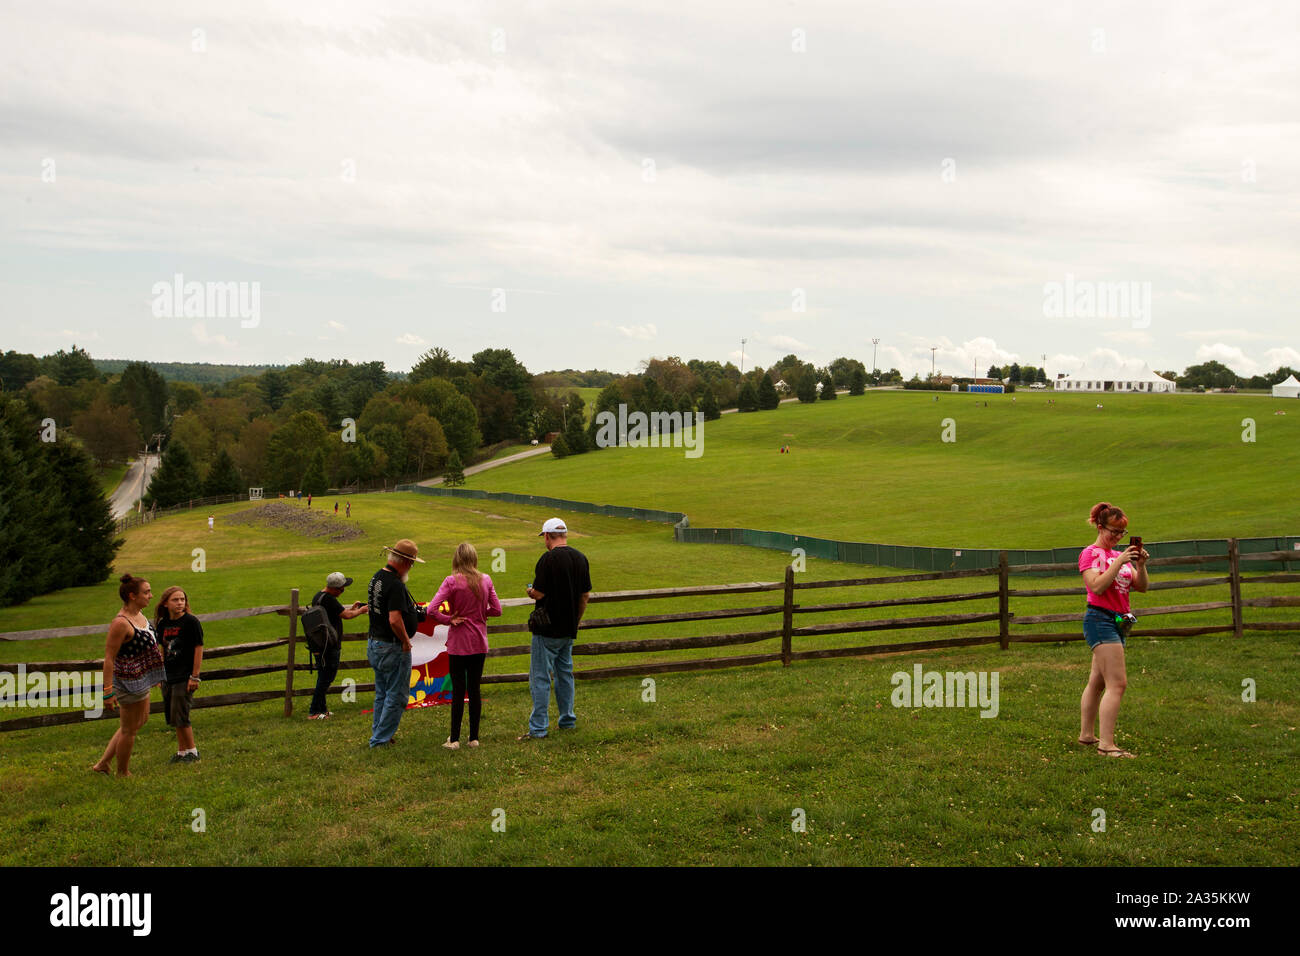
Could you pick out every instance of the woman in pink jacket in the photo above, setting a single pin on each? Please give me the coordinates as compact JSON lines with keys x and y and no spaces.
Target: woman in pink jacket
{"x":472,"y":599}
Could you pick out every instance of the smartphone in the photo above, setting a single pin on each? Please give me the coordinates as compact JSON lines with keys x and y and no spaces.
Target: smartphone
{"x":1136,"y":542}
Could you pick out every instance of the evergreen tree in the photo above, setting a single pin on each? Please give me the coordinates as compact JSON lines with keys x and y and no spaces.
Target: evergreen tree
{"x":828,"y":388}
{"x":575,"y":434}
{"x":176,"y":480}
{"x":806,"y":390}
{"x":455,"y":471}
{"x":145,"y":391}
{"x":223,"y":477}
{"x":748,"y":401}
{"x":560,"y":447}
{"x":858,"y":382}
{"x":994,"y":372}
{"x":610,"y":397}
{"x":86,"y":525}
{"x":767,"y":397}
{"x":709,"y":405}
{"x":314,"y":481}
{"x":50,"y":504}
{"x":1014,"y":372}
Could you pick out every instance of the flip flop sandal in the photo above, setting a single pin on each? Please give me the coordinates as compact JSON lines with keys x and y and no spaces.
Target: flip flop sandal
{"x":1117,"y":752}
{"x":1088,"y":743}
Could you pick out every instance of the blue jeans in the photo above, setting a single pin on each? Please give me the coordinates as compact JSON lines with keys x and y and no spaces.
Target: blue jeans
{"x":327,"y":668}
{"x":551,"y":654}
{"x":392,"y":668}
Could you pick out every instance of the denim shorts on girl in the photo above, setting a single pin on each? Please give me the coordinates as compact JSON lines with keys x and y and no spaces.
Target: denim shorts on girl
{"x":1099,"y":627}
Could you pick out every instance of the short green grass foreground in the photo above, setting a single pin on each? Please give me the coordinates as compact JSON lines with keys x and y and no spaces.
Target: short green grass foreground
{"x":716,"y":770}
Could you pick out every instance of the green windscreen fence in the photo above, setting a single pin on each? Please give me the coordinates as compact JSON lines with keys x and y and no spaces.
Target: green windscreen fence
{"x":961,"y":559}
{"x":886,"y":555}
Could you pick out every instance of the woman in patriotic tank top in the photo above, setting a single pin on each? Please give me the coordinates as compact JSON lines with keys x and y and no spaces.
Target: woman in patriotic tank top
{"x":133,"y":665}
{"x":1108,"y":577}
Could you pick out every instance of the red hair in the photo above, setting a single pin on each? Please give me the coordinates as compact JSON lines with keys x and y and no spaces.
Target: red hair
{"x":1103,"y":513}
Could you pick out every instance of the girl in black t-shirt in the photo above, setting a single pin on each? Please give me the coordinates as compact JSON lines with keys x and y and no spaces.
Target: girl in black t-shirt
{"x":182,"y":635}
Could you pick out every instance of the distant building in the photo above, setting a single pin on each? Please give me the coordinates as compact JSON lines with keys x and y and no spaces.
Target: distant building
{"x":1126,"y":377}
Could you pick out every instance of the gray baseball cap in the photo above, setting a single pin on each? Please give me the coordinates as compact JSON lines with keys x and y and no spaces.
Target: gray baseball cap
{"x":338,"y":580}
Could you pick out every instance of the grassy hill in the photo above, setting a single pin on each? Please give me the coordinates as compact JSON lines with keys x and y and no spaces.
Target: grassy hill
{"x":1021,"y":474}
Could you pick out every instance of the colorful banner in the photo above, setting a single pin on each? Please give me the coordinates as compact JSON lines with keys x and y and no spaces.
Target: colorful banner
{"x":430,"y":677}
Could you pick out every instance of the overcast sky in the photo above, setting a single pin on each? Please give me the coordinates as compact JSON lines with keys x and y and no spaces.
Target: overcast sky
{"x":593,"y":183}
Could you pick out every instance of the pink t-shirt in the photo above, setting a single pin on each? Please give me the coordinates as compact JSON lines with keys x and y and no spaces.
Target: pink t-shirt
{"x":470,"y":636}
{"x":1115,"y":597}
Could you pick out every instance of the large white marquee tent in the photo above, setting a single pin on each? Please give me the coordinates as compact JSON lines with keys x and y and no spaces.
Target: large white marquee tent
{"x":1288,"y":389}
{"x":1133,"y":376}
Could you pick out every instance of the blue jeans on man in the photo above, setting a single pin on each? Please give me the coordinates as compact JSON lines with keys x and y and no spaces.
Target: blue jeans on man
{"x":551,"y":655}
{"x":392,"y":668}
{"x":327,"y":668}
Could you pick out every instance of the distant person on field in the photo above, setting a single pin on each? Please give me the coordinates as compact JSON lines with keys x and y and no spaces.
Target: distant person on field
{"x":349,"y":510}
{"x":211,"y":521}
{"x":327,"y":663}
{"x":473,"y":600}
{"x":181,"y":635}
{"x":336,"y":509}
{"x":1108,"y":576}
{"x":393,"y":617}
{"x":133,"y":664}
{"x":561,"y":587}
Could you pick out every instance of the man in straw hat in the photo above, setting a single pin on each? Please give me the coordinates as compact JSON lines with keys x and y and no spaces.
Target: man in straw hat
{"x":393,"y":617}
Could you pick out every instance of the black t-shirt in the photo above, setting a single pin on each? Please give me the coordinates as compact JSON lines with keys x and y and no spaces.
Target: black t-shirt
{"x":180,"y":637}
{"x":562,"y":574}
{"x":333,"y":609}
{"x":387,"y":592}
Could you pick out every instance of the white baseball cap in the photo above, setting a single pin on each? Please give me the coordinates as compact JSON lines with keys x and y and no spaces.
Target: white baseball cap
{"x":553,"y":526}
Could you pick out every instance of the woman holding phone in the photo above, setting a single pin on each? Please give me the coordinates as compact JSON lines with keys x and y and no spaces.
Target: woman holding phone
{"x":1108,"y":576}
{"x":472,"y":599}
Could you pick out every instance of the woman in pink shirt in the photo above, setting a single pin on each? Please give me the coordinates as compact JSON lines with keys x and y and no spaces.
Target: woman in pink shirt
{"x":472,"y":600}
{"x":1108,"y":576}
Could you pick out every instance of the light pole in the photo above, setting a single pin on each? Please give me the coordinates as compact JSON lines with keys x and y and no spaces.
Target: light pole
{"x":742,"y":356}
{"x":932,"y":351}
{"x":874,"y":366}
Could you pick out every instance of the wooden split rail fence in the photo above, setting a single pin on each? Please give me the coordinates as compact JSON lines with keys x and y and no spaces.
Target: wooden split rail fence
{"x":999,"y":617}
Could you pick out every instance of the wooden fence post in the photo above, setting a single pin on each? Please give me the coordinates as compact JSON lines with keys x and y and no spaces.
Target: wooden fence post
{"x":787,"y":617}
{"x":1004,"y":602}
{"x":1234,"y":585}
{"x":293,"y":639}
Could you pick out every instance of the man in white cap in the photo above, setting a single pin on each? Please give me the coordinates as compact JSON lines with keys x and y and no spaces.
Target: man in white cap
{"x":393,"y":617}
{"x":327,"y":664}
{"x":561,"y":587}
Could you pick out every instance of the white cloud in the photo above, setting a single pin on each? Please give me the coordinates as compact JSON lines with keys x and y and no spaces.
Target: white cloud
{"x":411,"y":339}
{"x":642,"y":333}
{"x":337,"y":326}
{"x":200,"y":332}
{"x":786,"y":343}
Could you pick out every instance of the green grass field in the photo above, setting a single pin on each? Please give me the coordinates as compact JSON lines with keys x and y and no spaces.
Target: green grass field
{"x":1019,"y":475}
{"x":712,"y":770}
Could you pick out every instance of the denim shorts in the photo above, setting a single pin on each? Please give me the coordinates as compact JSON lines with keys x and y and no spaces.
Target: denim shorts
{"x":1099,"y":628}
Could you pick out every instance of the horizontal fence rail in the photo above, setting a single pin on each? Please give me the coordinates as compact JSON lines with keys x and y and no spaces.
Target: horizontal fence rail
{"x":784,"y":616}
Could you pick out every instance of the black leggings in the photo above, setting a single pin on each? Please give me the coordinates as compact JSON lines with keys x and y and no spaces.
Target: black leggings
{"x":466,"y":671}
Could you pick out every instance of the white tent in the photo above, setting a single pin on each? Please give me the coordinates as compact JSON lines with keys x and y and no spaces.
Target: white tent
{"x":1288,"y":389}
{"x":1111,"y":377}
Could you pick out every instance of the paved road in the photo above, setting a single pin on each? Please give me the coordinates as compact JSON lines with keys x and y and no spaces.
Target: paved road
{"x":133,"y":486}
{"x":475,"y":469}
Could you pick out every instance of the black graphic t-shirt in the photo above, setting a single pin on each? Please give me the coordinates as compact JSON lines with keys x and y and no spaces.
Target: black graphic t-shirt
{"x":387,"y":592}
{"x":180,"y":637}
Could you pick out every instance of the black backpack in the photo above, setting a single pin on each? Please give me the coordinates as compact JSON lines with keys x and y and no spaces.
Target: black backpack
{"x":317,"y":629}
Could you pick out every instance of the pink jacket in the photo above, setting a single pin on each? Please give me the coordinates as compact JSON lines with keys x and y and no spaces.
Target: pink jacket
{"x":470,"y":636}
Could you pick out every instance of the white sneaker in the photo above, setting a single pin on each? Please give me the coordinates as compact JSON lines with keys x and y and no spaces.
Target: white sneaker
{"x":452,"y":744}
